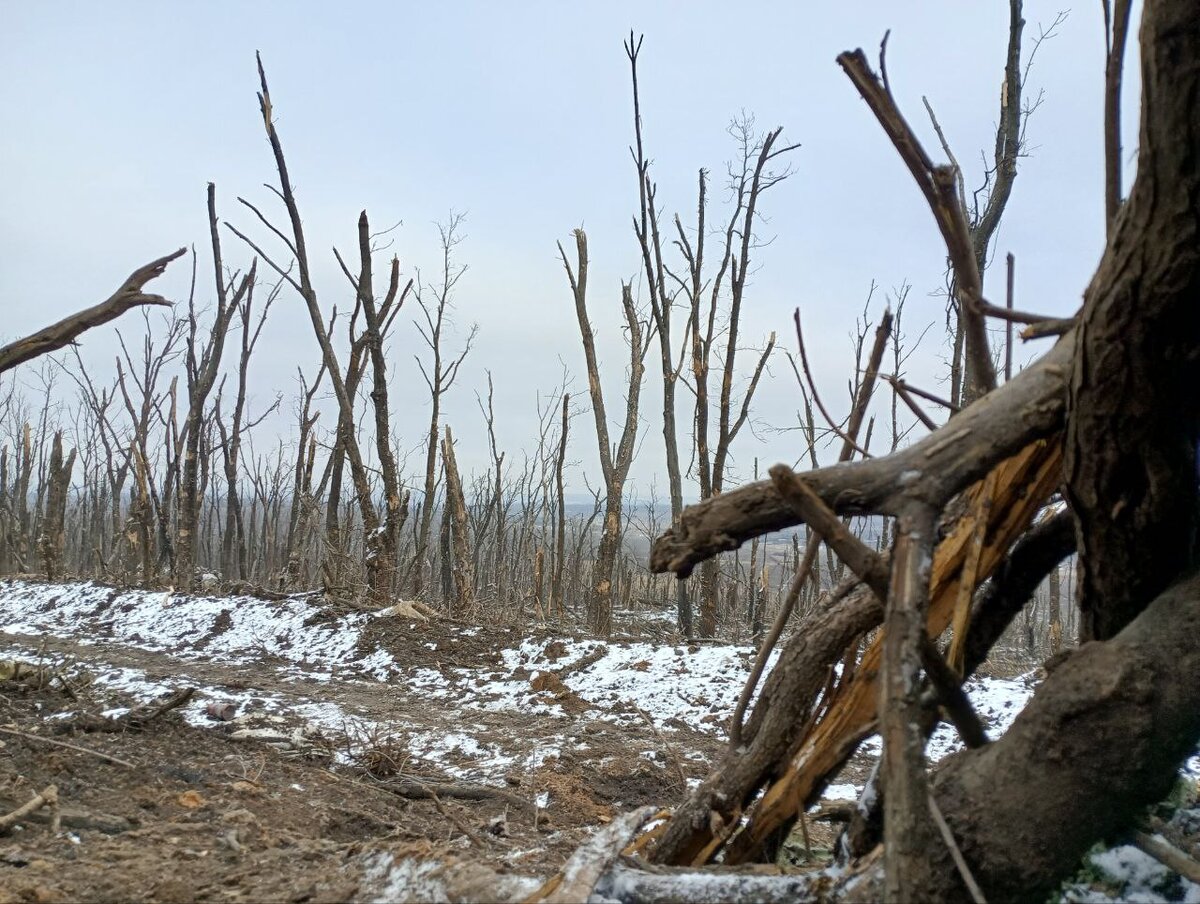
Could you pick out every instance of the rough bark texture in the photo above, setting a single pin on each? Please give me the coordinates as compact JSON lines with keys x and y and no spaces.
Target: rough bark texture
{"x":59,"y":480}
{"x":1101,"y":739}
{"x":381,"y":547}
{"x":614,"y":462}
{"x":201,"y":376}
{"x":772,"y":733}
{"x":456,"y":504}
{"x":907,"y":832}
{"x":1131,"y":436}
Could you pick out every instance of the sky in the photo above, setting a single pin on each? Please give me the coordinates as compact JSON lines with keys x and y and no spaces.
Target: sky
{"x":114,"y":117}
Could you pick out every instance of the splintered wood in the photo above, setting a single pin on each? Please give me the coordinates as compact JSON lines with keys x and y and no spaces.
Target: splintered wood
{"x":996,"y":510}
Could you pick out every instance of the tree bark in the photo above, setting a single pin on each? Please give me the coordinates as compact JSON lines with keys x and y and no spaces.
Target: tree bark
{"x":456,"y":505}
{"x":64,"y":332}
{"x":1101,"y":739}
{"x":1133,"y":420}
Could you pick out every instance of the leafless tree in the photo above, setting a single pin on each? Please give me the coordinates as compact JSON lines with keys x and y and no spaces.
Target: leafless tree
{"x":435,"y":302}
{"x":614,"y":461}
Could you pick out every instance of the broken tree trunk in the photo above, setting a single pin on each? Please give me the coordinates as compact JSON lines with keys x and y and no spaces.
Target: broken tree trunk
{"x":456,"y":504}
{"x":58,"y":478}
{"x":794,"y":764}
{"x":64,"y":332}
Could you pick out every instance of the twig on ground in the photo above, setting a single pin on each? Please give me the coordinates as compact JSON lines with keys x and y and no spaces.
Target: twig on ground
{"x":142,"y":716}
{"x":458,"y":823}
{"x":76,"y":819}
{"x":68,"y":746}
{"x":416,"y":788}
{"x":48,"y":797}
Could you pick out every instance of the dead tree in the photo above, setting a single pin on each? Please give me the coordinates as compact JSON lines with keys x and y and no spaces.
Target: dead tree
{"x":233,"y":537}
{"x":202,"y":372}
{"x":706,"y":295}
{"x":970,"y":371}
{"x":1128,"y":457}
{"x":645,"y":227}
{"x":58,"y":335}
{"x":379,"y":568}
{"x":439,"y":376}
{"x":58,"y":478}
{"x":614,"y":461}
{"x":560,"y":528}
{"x":155,"y":431}
{"x":382,"y":546}
{"x":455,"y":514}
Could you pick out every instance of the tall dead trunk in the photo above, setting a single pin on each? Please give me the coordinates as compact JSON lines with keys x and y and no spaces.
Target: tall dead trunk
{"x":380,"y":546}
{"x":661,"y":307}
{"x":201,"y":375}
{"x":439,"y":376}
{"x":560,"y":529}
{"x":614,"y":463}
{"x":58,"y":479}
{"x":456,"y":509}
{"x":753,"y":179}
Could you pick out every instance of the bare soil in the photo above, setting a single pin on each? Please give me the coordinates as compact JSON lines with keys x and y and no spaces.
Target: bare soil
{"x":198,"y":815}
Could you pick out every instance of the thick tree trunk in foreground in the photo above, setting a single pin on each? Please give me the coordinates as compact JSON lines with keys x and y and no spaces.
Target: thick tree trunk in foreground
{"x":1131,"y":434}
{"x":1101,"y":739}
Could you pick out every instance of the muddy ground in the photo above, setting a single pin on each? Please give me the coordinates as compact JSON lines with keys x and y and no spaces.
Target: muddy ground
{"x":206,"y":813}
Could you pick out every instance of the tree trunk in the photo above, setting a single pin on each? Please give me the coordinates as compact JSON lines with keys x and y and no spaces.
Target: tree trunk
{"x":464,"y":579}
{"x":58,"y":478}
{"x":1133,"y":410}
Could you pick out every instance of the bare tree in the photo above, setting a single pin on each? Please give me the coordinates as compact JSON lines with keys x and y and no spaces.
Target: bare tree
{"x":201,"y":376}
{"x":379,"y":567}
{"x":614,"y":461}
{"x":435,"y":304}
{"x":706,"y":296}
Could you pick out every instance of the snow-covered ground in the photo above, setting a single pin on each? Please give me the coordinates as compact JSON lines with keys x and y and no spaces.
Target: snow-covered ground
{"x":674,"y":686}
{"x":1128,"y":875}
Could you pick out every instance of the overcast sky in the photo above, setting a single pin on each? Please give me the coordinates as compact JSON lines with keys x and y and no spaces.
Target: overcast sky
{"x":115,"y":115}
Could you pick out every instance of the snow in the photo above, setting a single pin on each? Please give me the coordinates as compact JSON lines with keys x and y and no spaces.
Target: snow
{"x":696,"y":686}
{"x":842,"y":792}
{"x":1131,"y":875}
{"x":674,"y":686}
{"x":223,"y":629}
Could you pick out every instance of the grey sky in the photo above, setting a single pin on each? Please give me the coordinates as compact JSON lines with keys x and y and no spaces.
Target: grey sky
{"x":113,"y":116}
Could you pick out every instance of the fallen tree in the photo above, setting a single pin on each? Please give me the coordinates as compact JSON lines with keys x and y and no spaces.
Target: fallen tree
{"x":1110,"y":415}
